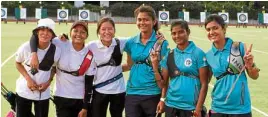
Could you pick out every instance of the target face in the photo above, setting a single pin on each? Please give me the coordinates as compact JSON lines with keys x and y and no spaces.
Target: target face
{"x":242,"y":17}
{"x":225,"y":17}
{"x":83,"y":15}
{"x":62,"y":14}
{"x":3,"y":12}
{"x":163,"y":15}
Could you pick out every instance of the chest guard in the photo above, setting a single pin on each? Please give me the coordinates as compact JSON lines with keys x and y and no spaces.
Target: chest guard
{"x":235,"y":61}
{"x":157,"y":48}
{"x":48,"y":60}
{"x":116,"y":57}
{"x":83,"y":67}
{"x":173,"y":70}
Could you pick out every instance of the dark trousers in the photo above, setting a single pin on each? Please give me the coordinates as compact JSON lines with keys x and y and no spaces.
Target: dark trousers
{"x":141,"y":105}
{"x":66,"y":107}
{"x":100,"y":104}
{"x":213,"y":114}
{"x":174,"y":112}
{"x":24,"y":107}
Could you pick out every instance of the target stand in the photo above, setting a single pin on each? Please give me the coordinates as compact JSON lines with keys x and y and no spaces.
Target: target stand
{"x":263,"y":25}
{"x":23,"y":20}
{"x":63,"y":21}
{"x":244,"y":25}
{"x":164,"y":23}
{"x":200,"y":24}
{"x":4,"y":20}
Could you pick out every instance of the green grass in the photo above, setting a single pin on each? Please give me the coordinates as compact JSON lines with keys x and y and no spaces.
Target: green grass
{"x":13,"y":35}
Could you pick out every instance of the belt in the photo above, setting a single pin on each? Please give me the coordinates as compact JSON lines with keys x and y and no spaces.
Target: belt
{"x":74,"y":73}
{"x":102,"y":84}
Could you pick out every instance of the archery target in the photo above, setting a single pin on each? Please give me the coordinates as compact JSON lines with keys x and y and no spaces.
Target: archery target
{"x":225,"y":17}
{"x":242,"y":17}
{"x":62,"y":14}
{"x":164,"y":16}
{"x":38,"y":13}
{"x":186,"y":16}
{"x":23,"y":13}
{"x":83,"y":14}
{"x":202,"y":16}
{"x":265,"y":18}
{"x":4,"y":13}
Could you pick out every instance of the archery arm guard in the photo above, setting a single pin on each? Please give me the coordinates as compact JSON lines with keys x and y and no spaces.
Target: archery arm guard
{"x":34,"y":43}
{"x":88,"y":91}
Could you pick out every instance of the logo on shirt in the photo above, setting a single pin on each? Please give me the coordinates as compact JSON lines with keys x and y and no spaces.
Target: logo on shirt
{"x":188,"y":62}
{"x":204,"y":59}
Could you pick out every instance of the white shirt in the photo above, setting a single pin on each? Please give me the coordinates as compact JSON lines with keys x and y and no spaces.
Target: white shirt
{"x":101,"y":55}
{"x":23,"y":55}
{"x":67,"y":85}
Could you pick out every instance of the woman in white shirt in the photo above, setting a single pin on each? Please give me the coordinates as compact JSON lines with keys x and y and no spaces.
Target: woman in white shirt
{"x":33,"y":84}
{"x":72,"y":91}
{"x":109,"y":84}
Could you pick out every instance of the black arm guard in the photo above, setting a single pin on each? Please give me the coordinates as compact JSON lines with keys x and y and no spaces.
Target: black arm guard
{"x":34,"y":43}
{"x":88,"y":91}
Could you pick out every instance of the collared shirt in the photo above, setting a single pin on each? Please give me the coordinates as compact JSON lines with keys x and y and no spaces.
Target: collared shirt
{"x":141,"y":79}
{"x":67,"y":85}
{"x":23,"y":55}
{"x":102,"y":55}
{"x":183,"y":91}
{"x":239,"y":100}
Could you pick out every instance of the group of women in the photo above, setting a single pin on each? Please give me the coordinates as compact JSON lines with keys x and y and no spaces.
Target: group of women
{"x":160,"y":80}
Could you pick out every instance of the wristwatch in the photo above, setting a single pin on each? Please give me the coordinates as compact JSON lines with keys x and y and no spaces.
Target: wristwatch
{"x":162,"y":99}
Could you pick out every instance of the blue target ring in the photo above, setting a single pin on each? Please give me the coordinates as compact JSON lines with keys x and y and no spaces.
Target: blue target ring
{"x":3,"y":12}
{"x":84,"y":15}
{"x":164,"y":16}
{"x":224,"y":17}
{"x":62,"y":14}
{"x":242,"y":17}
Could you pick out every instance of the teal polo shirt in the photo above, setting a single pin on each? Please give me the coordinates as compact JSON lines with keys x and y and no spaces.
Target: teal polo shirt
{"x":239,"y":100}
{"x":183,"y":91}
{"x":141,"y":79}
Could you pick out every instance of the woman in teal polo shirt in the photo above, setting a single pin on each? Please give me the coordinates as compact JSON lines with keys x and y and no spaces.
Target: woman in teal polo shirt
{"x":145,"y":82}
{"x":228,"y":61}
{"x":187,"y":68}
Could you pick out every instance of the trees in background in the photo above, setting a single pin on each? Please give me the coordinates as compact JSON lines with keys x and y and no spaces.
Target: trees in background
{"x":126,"y":8}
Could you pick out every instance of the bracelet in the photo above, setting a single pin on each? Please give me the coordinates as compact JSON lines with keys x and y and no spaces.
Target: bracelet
{"x":162,"y":99}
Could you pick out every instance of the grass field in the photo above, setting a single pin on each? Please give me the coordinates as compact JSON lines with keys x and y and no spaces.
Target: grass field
{"x":13,"y":35}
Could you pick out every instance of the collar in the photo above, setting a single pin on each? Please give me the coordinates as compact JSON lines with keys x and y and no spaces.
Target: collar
{"x":189,"y":49}
{"x":227,"y":46}
{"x":46,"y":48}
{"x":100,"y":45}
{"x":152,"y":38}
{"x":81,"y":52}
